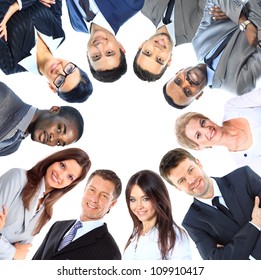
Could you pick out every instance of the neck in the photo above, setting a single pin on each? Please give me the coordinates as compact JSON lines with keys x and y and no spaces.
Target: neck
{"x":236,"y":139}
{"x":147,"y":226}
{"x":43,"y":54}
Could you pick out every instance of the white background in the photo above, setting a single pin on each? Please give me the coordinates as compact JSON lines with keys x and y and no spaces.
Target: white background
{"x":128,"y":126}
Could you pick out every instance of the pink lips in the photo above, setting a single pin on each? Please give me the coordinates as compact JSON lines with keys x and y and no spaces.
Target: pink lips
{"x":54,"y":66}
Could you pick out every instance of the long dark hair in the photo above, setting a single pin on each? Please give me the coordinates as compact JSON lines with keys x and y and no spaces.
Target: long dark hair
{"x":37,"y":172}
{"x":154,"y":187}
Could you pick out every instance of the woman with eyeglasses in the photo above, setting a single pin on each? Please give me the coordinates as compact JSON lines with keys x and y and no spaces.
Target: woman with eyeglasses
{"x":27,"y":198}
{"x":29,"y":36}
{"x":155,"y":235}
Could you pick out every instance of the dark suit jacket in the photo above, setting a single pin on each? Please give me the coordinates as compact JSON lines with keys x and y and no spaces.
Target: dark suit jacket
{"x":21,"y":33}
{"x":239,"y":66}
{"x":188,"y":14}
{"x":12,"y":110}
{"x":208,"y":227}
{"x":115,"y":12}
{"x":97,"y":244}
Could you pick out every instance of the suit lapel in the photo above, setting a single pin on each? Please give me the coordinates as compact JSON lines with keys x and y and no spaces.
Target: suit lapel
{"x":85,"y":240}
{"x":216,"y":216}
{"x":231,"y":200}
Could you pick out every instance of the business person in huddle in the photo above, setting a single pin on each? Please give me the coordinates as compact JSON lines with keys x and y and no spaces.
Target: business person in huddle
{"x":57,"y":126}
{"x":228,"y":53}
{"x":28,"y":196}
{"x":87,"y":237}
{"x":224,"y":219}
{"x":239,"y":132}
{"x":102,"y":20}
{"x":29,"y":41}
{"x":155,"y":235}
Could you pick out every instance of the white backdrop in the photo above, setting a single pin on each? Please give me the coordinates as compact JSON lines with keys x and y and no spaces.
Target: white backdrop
{"x":128,"y":126}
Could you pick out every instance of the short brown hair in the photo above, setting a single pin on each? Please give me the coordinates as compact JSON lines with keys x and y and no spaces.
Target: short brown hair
{"x":111,"y":176}
{"x":171,"y":160}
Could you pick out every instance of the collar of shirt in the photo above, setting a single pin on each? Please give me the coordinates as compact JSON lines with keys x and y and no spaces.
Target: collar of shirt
{"x":98,"y":19}
{"x":170,"y":27}
{"x":216,"y":193}
{"x":30,"y":62}
{"x":88,"y":226}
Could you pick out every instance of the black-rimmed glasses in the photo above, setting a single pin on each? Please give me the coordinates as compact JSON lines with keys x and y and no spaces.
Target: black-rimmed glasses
{"x":60,"y":79}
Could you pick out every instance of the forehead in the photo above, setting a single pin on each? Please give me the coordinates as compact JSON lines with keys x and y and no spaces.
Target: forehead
{"x":136,"y":191}
{"x":177,"y":94}
{"x":191,"y":126}
{"x":101,"y":185}
{"x":149,"y":63}
{"x":179,"y":171}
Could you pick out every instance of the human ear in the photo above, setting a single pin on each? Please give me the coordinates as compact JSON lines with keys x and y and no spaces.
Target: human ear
{"x":53,"y":89}
{"x":121,"y":47}
{"x":199,"y":95}
{"x":55,"y":109}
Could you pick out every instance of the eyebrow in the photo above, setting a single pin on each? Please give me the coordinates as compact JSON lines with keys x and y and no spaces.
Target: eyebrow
{"x":149,"y":55}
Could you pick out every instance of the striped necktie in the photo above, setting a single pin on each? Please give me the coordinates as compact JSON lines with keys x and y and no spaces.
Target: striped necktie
{"x":69,"y":237}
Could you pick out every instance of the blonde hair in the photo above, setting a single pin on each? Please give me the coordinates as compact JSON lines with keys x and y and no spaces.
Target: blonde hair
{"x":180,"y":129}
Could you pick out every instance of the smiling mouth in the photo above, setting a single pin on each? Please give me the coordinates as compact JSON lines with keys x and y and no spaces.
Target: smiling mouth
{"x":212,"y":134}
{"x":161,"y":43}
{"x":91,"y":206}
{"x":43,"y":137}
{"x":195,"y":185}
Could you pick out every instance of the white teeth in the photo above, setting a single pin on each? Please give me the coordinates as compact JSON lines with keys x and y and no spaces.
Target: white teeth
{"x":91,"y":206}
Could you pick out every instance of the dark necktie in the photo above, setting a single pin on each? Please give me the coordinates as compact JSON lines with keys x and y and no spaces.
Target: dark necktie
{"x":85,"y":5}
{"x":166,"y":19}
{"x":221,"y":207}
{"x":69,"y":237}
{"x":217,"y":52}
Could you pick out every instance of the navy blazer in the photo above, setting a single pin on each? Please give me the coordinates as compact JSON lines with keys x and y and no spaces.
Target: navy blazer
{"x":208,"y":227}
{"x":115,"y":12}
{"x":21,"y":33}
{"x":97,"y":244}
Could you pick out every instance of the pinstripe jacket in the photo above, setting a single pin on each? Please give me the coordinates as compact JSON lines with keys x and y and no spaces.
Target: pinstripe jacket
{"x":97,"y":244}
{"x":21,"y":33}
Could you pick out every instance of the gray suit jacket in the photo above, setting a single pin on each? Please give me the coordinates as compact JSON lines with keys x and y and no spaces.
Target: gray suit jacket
{"x":12,"y":110}
{"x":239,"y":65}
{"x":188,"y":14}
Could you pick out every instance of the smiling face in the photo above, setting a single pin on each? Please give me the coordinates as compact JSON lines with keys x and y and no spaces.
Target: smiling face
{"x":54,"y":67}
{"x":103,"y":50}
{"x":61,"y":174}
{"x":187,"y":85}
{"x":98,"y":199}
{"x":189,"y":177}
{"x":52,"y":130}
{"x":141,"y":206}
{"x":204,"y":132}
{"x":155,"y":53}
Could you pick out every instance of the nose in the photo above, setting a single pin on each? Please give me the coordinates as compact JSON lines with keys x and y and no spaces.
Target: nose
{"x":52,"y":139}
{"x":139,"y":205}
{"x":187,"y":79}
{"x":190,"y":180}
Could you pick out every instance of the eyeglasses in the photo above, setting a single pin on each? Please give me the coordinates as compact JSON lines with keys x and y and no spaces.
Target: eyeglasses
{"x":60,"y":79}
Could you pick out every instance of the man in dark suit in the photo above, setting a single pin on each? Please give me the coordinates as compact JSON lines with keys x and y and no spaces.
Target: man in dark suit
{"x":58,"y":126}
{"x":92,"y":240}
{"x":228,"y":52}
{"x":224,"y":220}
{"x":103,"y":19}
{"x":33,"y":34}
